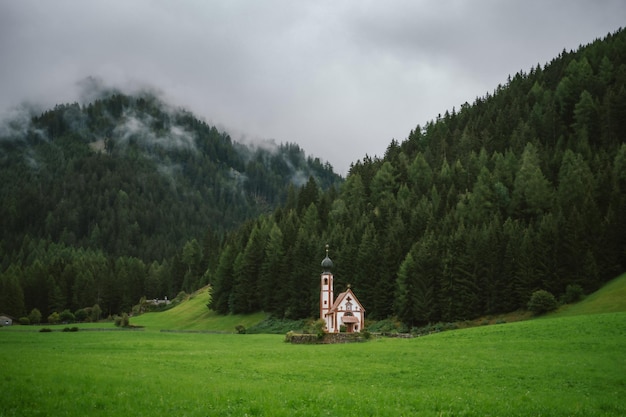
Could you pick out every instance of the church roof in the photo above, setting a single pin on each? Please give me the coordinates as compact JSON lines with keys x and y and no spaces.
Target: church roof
{"x":327,"y":264}
{"x":342,"y":296}
{"x":349,"y":319}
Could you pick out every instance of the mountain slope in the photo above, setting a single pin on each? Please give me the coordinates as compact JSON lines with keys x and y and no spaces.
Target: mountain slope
{"x":125,"y":197}
{"x":131,"y":176}
{"x":473,"y":212}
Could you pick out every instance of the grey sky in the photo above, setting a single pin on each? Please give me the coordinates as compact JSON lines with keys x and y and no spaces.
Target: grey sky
{"x":340,"y":78}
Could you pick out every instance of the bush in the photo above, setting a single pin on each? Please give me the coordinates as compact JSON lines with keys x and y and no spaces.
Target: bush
{"x":81,"y":315}
{"x":35,"y":316}
{"x":240,"y":328}
{"x":95,"y":312}
{"x":573,"y":293}
{"x":387,"y":326}
{"x":180,"y":297}
{"x":316,"y":327}
{"x":70,"y":329}
{"x":45,"y":330}
{"x":122,"y":321}
{"x":542,"y":302}
{"x":24,"y":321}
{"x":54,"y":318}
{"x":67,"y":316}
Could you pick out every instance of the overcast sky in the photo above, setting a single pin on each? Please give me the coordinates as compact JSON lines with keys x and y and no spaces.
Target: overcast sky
{"x":340,"y":78}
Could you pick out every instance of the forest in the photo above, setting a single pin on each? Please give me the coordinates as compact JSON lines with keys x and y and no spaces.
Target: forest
{"x":524,"y":189}
{"x":124,"y":197}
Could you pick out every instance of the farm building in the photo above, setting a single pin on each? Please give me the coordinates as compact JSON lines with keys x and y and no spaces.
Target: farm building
{"x":345,"y":310}
{"x":6,"y":320}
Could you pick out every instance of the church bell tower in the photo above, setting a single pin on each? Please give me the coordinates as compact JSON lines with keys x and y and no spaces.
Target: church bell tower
{"x":326,"y":287}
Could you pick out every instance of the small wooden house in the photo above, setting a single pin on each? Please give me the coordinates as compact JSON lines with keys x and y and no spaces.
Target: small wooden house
{"x":6,"y":320}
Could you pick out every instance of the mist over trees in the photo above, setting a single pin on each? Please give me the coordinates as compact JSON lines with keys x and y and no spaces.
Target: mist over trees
{"x":125,"y":197}
{"x":523,"y":190}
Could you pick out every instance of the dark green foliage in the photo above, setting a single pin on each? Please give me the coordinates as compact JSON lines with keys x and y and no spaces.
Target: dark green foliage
{"x":316,"y":327}
{"x":472,"y":213}
{"x":66,"y":316}
{"x":121,"y":321}
{"x":573,"y":293}
{"x":541,"y":302}
{"x":35,"y":316}
{"x":81,"y":315}
{"x":54,"y":318}
{"x":125,"y":197}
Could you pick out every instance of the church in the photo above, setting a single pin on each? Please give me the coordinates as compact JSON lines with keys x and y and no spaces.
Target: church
{"x":345,"y":310}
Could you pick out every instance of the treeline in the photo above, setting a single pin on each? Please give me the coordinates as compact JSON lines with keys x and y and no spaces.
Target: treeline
{"x":102,"y":195}
{"x":525,"y":189}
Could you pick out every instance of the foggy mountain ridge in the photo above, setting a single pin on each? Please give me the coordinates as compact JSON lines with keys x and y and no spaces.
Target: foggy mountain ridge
{"x":192,"y":176}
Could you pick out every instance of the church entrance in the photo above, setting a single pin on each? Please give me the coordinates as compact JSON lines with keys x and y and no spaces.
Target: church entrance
{"x":349,"y":321}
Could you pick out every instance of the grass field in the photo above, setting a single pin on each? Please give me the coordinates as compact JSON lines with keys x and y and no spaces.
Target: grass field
{"x":570,"y":366}
{"x":571,"y":363}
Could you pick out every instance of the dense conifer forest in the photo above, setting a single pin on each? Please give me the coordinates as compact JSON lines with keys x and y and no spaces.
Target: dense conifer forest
{"x":125,"y":197}
{"x":524,"y":189}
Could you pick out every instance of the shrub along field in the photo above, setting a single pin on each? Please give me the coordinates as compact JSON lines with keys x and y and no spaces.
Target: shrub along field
{"x":563,"y":366}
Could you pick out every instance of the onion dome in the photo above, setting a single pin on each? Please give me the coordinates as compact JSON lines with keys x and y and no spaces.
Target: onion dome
{"x":327,"y":264}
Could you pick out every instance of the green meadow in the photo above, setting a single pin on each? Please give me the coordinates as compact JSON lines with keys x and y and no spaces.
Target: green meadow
{"x":562,"y":365}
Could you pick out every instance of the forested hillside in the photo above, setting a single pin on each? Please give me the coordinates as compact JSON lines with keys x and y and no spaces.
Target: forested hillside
{"x":524,"y":189}
{"x":126,"y":197}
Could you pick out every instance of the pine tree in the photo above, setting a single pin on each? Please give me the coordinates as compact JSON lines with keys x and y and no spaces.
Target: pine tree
{"x":222,"y":282}
{"x":272,"y":280}
{"x":532,"y":192}
{"x":11,"y":294}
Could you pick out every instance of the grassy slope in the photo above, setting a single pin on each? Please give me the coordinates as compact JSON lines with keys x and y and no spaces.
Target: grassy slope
{"x":566,"y":366}
{"x":193,"y":314}
{"x":609,"y":299}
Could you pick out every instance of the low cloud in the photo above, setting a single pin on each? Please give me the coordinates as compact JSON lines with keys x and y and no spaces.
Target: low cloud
{"x":146,"y":132}
{"x":341,"y":79}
